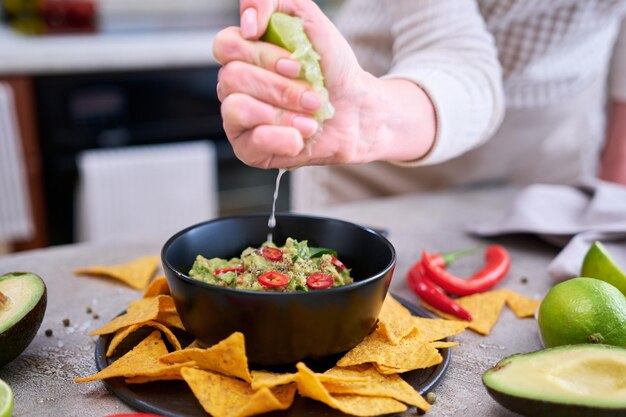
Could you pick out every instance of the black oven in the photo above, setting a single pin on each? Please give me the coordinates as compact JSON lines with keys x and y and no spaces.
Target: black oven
{"x":102,"y":110}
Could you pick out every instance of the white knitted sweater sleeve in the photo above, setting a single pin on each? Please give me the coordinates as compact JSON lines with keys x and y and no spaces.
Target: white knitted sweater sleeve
{"x":444,"y":47}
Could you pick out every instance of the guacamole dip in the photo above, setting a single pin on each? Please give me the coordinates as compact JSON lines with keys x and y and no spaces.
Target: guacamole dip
{"x":293,"y":267}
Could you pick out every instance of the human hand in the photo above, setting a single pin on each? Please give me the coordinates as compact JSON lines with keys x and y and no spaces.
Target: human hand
{"x":267,"y":111}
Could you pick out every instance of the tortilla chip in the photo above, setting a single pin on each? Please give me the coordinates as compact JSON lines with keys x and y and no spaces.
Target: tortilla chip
{"x":436,"y":329}
{"x":121,"y":334}
{"x":139,"y":311}
{"x":136,"y":273}
{"x":157,"y":287}
{"x":394,"y":320}
{"x":443,"y":345}
{"x":310,"y":386}
{"x":264,"y":379}
{"x":521,"y":305}
{"x":143,"y":360}
{"x":484,"y":307}
{"x":411,"y":353}
{"x":378,"y":385}
{"x":227,"y":357}
{"x":172,"y":377}
{"x":170,"y":319}
{"x":222,"y":396}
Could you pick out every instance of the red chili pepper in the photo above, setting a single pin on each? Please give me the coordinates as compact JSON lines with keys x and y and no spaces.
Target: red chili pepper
{"x":338,"y":264}
{"x":319,"y":281}
{"x":432,"y":295}
{"x":273,"y":279}
{"x":497,"y":264}
{"x":225,"y":270}
{"x":272,"y":254}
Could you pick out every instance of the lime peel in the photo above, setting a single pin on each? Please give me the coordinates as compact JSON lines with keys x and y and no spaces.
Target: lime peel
{"x":288,"y":33}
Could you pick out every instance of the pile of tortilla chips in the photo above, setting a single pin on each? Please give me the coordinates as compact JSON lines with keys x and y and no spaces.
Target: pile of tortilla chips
{"x":485,"y":308}
{"x":364,"y":382}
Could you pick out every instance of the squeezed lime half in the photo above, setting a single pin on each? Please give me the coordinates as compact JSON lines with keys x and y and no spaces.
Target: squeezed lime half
{"x":288,"y":33}
{"x":6,"y":399}
{"x":599,"y":264}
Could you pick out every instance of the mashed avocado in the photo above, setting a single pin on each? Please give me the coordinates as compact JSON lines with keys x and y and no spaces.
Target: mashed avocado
{"x":293,"y":267}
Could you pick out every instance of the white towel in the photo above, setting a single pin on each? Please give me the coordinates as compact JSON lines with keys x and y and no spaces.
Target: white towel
{"x":16,"y":221}
{"x":145,"y":192}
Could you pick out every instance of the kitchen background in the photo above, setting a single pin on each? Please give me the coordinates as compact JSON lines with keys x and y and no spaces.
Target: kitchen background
{"x":110,"y":125}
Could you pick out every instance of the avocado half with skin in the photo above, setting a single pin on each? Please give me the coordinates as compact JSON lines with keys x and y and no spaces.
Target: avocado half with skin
{"x":572,"y":380}
{"x":22,"y":307}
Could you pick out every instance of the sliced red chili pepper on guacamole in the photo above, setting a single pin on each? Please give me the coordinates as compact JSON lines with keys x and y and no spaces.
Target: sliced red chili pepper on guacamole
{"x":295,"y":260}
{"x":319,"y":281}
{"x":273,"y":279}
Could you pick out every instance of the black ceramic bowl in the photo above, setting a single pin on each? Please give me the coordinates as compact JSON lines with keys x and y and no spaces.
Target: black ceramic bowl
{"x":281,"y":328}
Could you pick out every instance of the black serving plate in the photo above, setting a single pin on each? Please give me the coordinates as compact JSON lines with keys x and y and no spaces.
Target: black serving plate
{"x":175,"y":399}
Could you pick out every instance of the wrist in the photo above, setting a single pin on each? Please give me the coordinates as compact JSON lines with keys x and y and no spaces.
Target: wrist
{"x":397,"y":120}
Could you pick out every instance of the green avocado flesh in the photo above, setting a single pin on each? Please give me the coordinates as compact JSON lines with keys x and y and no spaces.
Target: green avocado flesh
{"x":572,"y":380}
{"x":21,"y":312}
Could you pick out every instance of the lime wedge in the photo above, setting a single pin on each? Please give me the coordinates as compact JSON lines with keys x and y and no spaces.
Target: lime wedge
{"x":599,"y":264}
{"x":288,"y":33}
{"x":6,"y":399}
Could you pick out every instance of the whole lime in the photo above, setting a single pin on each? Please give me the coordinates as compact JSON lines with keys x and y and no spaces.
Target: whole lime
{"x":583,"y":310}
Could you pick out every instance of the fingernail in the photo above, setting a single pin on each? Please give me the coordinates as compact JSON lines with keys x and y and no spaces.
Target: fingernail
{"x":288,"y":68}
{"x":305,"y":125}
{"x":218,"y":89}
{"x":248,"y":23}
{"x":311,"y":101}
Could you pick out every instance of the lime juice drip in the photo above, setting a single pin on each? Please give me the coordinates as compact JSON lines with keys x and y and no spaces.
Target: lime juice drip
{"x":272,"y":221}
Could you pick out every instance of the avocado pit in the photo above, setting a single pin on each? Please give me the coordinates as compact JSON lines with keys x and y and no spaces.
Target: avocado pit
{"x":3,"y":300}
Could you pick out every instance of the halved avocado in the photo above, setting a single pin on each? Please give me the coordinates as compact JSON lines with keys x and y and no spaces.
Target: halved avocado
{"x":22,"y":307}
{"x":572,"y":380}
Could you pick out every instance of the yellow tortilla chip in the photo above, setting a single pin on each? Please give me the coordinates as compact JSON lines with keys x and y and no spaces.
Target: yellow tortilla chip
{"x":143,"y":360}
{"x":264,"y":379}
{"x":394,"y":320}
{"x":378,"y":385}
{"x":310,"y":386}
{"x":139,"y":311}
{"x":411,"y":353}
{"x":136,"y":273}
{"x":521,"y":305}
{"x":227,"y":357}
{"x":174,"y":376}
{"x":442,"y":345}
{"x":170,"y":319}
{"x":484,"y":307}
{"x":222,"y":396}
{"x":121,"y":334}
{"x":157,"y":287}
{"x":436,"y":329}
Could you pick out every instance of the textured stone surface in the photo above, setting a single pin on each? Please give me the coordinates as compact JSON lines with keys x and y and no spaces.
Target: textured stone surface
{"x":42,"y":376}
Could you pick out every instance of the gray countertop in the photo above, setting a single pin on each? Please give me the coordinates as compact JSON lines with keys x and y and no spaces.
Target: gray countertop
{"x":42,"y":376}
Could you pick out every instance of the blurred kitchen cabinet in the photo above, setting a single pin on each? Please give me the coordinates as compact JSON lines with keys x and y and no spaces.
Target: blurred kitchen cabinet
{"x":24,"y":100}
